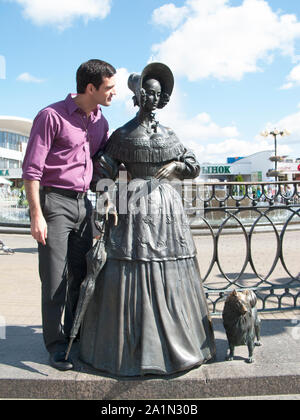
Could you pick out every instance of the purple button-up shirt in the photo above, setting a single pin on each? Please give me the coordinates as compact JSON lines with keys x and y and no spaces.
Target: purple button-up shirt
{"x":62,"y":142}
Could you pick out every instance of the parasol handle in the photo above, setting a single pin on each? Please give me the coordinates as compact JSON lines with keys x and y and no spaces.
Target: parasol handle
{"x":69,"y":348}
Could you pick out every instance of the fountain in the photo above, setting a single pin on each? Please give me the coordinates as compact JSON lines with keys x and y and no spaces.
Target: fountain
{"x":14,"y":209}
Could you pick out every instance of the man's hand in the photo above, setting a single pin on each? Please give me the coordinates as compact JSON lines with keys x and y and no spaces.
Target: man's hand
{"x":39,"y":229}
{"x":38,"y":223}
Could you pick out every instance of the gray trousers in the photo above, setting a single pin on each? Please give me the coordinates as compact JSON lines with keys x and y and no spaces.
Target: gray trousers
{"x":62,"y":264}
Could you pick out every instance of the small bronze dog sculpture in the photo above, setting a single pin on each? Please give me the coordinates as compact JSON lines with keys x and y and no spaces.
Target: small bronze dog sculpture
{"x":241,"y":322}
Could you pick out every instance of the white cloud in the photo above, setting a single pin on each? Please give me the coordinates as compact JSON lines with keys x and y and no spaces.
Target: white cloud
{"x":234,"y":147}
{"x":199,"y":132}
{"x":287,"y":145}
{"x":290,"y":123}
{"x":62,"y":13}
{"x":218,"y":151}
{"x":28,"y":78}
{"x":212,"y":142}
{"x":122,"y":91}
{"x":293,"y":79}
{"x":169,"y":15}
{"x":223,"y":41}
{"x":199,"y":127}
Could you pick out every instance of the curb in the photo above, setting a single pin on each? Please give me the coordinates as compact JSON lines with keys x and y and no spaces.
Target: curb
{"x":25,"y":373}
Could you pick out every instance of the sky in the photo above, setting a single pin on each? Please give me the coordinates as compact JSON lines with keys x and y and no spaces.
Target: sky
{"x":236,"y":64}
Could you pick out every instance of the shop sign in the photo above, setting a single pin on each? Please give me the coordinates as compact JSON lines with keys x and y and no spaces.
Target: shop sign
{"x":215,"y":170}
{"x":287,"y":167}
{"x":4,"y":172}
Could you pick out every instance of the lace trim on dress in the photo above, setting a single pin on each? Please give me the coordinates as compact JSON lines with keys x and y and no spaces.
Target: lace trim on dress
{"x":154,"y":149}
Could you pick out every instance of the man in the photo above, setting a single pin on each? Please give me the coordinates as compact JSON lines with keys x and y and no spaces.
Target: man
{"x":57,"y":171}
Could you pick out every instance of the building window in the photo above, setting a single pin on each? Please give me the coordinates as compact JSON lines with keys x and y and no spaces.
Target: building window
{"x":12,"y":141}
{"x":9,"y":163}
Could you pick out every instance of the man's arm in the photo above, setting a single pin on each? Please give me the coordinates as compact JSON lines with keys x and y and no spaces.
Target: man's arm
{"x":38,"y":223}
{"x":40,"y":142}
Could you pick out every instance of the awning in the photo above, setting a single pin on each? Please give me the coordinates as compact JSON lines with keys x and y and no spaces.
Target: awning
{"x":5,"y":181}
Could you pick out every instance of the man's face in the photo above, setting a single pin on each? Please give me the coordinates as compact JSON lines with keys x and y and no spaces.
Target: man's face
{"x":106,"y":91}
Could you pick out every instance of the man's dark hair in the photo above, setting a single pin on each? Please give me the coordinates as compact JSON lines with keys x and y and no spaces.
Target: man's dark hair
{"x":93,"y":71}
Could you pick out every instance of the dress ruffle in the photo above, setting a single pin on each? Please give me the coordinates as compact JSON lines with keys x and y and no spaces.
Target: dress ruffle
{"x":156,"y":148}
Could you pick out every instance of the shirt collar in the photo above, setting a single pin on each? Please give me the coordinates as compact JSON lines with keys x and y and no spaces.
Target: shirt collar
{"x":72,"y":106}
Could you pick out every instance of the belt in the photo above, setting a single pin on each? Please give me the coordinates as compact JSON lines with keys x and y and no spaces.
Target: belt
{"x":63,"y":191}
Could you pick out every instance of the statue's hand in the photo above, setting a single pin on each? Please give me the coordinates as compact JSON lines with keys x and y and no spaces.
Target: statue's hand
{"x":167,"y":170}
{"x":110,"y":208}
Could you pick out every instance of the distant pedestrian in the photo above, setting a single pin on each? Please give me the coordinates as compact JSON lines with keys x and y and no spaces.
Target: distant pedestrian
{"x":5,"y":249}
{"x":57,"y":171}
{"x":258,"y":192}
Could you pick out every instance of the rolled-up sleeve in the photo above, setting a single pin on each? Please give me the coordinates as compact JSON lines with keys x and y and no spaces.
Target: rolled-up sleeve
{"x":43,"y":131}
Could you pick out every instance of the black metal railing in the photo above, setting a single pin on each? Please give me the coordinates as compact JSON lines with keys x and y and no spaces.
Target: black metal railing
{"x":253,"y":232}
{"x":247,"y":236}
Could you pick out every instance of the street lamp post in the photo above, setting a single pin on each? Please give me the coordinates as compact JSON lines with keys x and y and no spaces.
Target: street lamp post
{"x":275,"y":133}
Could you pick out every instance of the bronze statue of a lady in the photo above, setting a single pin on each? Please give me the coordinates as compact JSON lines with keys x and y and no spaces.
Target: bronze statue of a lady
{"x":149,"y":313}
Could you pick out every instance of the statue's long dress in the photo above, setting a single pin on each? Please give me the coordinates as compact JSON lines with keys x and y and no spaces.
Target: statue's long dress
{"x":149,"y":312}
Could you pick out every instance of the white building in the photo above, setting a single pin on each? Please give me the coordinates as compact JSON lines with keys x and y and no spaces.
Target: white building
{"x":253,"y":168}
{"x":14,"y":134}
